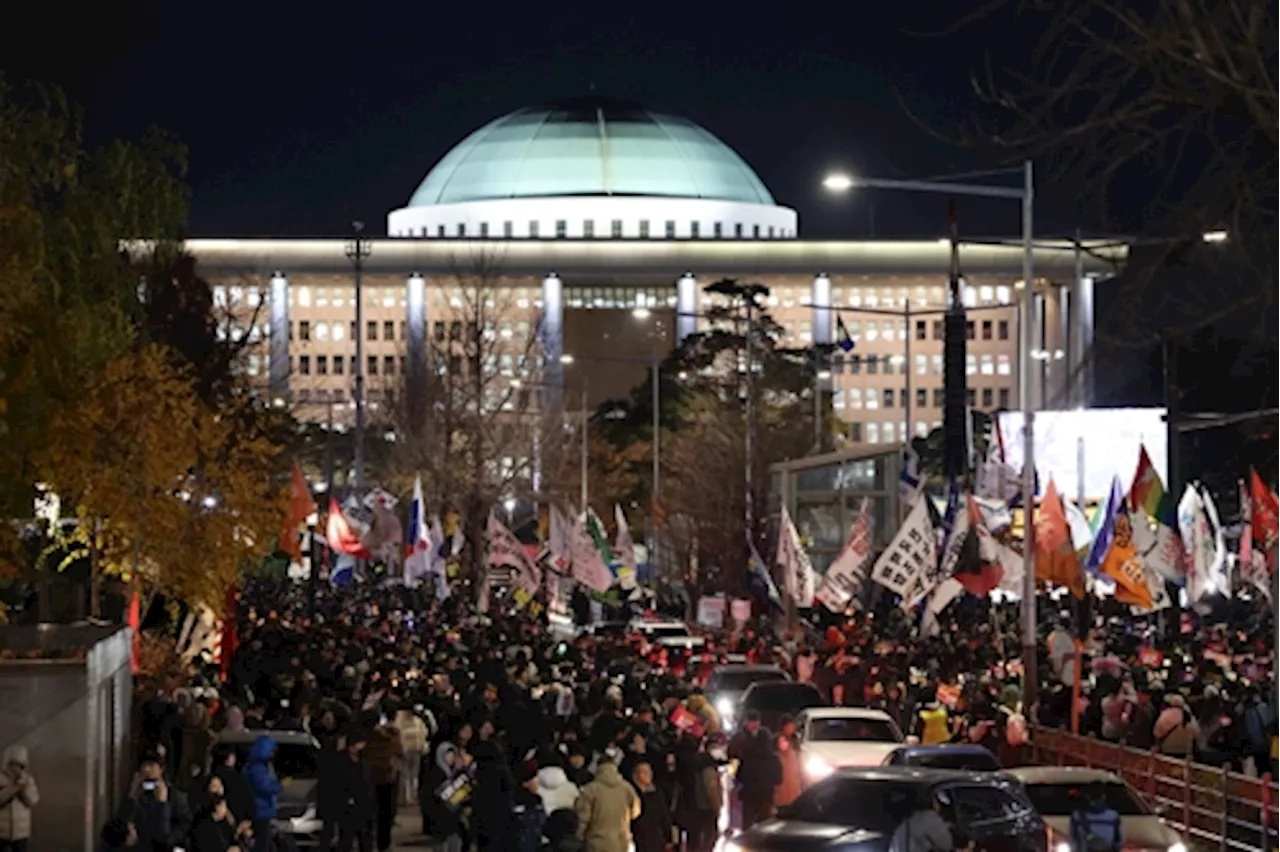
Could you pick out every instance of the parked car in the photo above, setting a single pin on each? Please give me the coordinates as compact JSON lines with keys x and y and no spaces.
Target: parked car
{"x":974,"y":758}
{"x":858,"y":810}
{"x":297,"y":766}
{"x":727,"y":683}
{"x":834,"y":738}
{"x":773,"y":699}
{"x":1059,"y":791}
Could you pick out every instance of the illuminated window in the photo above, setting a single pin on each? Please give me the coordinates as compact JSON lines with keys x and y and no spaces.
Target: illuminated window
{"x":1002,"y":365}
{"x":338,"y":330}
{"x":873,"y":330}
{"x":872,"y":399}
{"x":873,"y":433}
{"x":322,"y":331}
{"x":888,"y":433}
{"x":837,"y":400}
{"x":854,"y":397}
{"x":1002,"y":295}
{"x":922,"y":364}
{"x":970,"y":297}
{"x":937,"y":365}
{"x":922,"y":429}
{"x":304,"y":297}
{"x":986,"y":293}
{"x":970,"y":365}
{"x":988,"y":367}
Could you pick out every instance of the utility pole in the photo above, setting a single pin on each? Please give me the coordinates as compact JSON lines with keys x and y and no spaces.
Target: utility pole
{"x":357,"y":251}
{"x":955,"y":412}
{"x":586,"y":421}
{"x":749,"y":294}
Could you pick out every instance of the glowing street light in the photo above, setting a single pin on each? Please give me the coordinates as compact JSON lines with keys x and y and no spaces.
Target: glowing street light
{"x":1215,"y":236}
{"x":641,"y":313}
{"x":838,"y":182}
{"x":566,"y":359}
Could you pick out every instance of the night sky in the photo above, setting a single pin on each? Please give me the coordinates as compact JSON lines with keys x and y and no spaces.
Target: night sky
{"x":300,"y":117}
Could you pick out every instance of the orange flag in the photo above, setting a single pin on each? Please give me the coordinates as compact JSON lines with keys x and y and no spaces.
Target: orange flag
{"x":1124,"y":565}
{"x":1056,"y":560}
{"x":135,"y":624}
{"x":301,"y":506}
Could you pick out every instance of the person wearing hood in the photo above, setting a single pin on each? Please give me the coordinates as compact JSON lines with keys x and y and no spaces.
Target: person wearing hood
{"x":440,"y":817}
{"x":18,"y":795}
{"x":235,"y":721}
{"x":413,"y":745}
{"x":266,"y":787}
{"x":555,"y":789}
{"x":605,"y":809}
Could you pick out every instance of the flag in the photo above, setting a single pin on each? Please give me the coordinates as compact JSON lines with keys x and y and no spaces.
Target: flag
{"x":1057,"y":560}
{"x":588,"y":566}
{"x":906,"y":563}
{"x":385,"y":537}
{"x":438,"y":552}
{"x":1198,"y":542}
{"x":300,"y":508}
{"x":135,"y":627}
{"x":943,"y":594}
{"x":1253,"y":565}
{"x":997,"y":479}
{"x":1218,"y":567}
{"x":596,"y":529}
{"x":626,"y":551}
{"x":344,"y":571}
{"x":230,"y":632}
{"x":559,"y":540}
{"x":1114,"y":555}
{"x":1266,"y":514}
{"x":797,"y":570}
{"x":339,"y":535}
{"x":910,"y":481}
{"x":761,"y":580}
{"x":955,"y":532}
{"x":417,"y":560}
{"x":506,"y":551}
{"x":843,"y":339}
{"x":1155,"y":521}
{"x":844,"y":579}
{"x":979,"y":570}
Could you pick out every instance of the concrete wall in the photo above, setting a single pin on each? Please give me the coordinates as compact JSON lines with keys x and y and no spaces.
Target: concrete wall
{"x":73,"y":717}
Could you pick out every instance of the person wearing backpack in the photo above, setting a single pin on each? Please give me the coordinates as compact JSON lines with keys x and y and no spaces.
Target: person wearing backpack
{"x":1096,"y":827}
{"x":1176,"y":729}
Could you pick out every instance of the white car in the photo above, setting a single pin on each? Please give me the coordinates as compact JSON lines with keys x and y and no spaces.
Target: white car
{"x":834,"y":738}
{"x":1058,"y":791}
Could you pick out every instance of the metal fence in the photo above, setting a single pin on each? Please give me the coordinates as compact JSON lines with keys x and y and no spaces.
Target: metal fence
{"x":1212,"y":806}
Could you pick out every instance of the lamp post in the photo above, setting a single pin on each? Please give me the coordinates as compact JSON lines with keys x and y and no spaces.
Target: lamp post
{"x":1026,"y":196}
{"x":357,"y":250}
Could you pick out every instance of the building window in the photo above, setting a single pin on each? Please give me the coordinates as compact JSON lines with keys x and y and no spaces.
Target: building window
{"x":937,"y":329}
{"x":837,"y":363}
{"x":755,"y":232}
{"x":338,"y":363}
{"x":986,"y":329}
{"x":440,"y":231}
{"x":873,"y":433}
{"x":371,"y":365}
{"x":939,"y":398}
{"x":922,"y":364}
{"x":388,"y":330}
{"x":437,"y":331}
{"x":871,"y":399}
{"x":404,"y":330}
{"x":986,"y":397}
{"x":462,"y":229}
{"x":1002,"y":295}
{"x":855,"y":364}
{"x":322,"y":331}
{"x":968,"y":330}
{"x":937,"y":364}
{"x":484,"y":230}
{"x":922,"y":397}
{"x":371,"y":330}
{"x":304,"y":330}
{"x":922,"y":429}
{"x":588,"y":228}
{"x":855,"y":397}
{"x":671,"y":229}
{"x":873,"y":330}
{"x":888,"y":397}
{"x":322,"y":365}
{"x":837,"y":399}
{"x":694,"y":229}
{"x":353,"y":365}
{"x":855,"y":432}
{"x":873,"y":365}
{"x":508,"y":228}
{"x":1002,"y":330}
{"x":737,"y":230}
{"x":770,"y":232}
{"x":533,"y":229}
{"x":1002,"y":365}
{"x":888,"y":432}
{"x":562,"y":228}
{"x":971,"y":397}
{"x":304,"y":365}
{"x":886,"y":329}
{"x":718,"y":229}
{"x":970,"y":365}
{"x":922,"y":330}
{"x":388,"y":365}
{"x":1004,"y":398}
{"x":988,"y":368}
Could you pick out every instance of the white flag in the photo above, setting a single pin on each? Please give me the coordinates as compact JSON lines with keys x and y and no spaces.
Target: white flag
{"x":559,"y":539}
{"x":417,"y":562}
{"x":1253,"y":565}
{"x":624,"y":549}
{"x":588,"y":568}
{"x":910,"y":482}
{"x":797,"y":570}
{"x":1199,"y":541}
{"x":911,"y":556}
{"x":848,"y":572}
{"x":943,"y":594}
{"x":1157,"y":589}
{"x":506,"y":551}
{"x":437,"y":561}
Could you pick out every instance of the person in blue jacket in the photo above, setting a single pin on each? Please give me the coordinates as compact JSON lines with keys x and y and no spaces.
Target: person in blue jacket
{"x":266,"y":787}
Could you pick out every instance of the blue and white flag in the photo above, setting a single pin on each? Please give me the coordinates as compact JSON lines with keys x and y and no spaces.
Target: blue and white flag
{"x":438,"y":557}
{"x":761,"y":580}
{"x":1106,"y":529}
{"x":417,"y":562}
{"x":843,"y":339}
{"x":909,"y":479}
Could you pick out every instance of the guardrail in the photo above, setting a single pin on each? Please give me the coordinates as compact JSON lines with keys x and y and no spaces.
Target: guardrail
{"x":1210,"y":805}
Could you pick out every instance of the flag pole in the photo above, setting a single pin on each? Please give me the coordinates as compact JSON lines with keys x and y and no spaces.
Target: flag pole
{"x":1029,"y":446}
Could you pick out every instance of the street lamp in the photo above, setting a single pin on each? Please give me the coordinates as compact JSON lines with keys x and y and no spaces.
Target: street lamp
{"x":566,"y":359}
{"x":357,"y":249}
{"x":839,"y":182}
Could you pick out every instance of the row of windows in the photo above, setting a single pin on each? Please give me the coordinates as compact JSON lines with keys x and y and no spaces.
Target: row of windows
{"x":874,"y":398}
{"x":888,"y":432}
{"x":484,"y":231}
{"x":323,"y":364}
{"x":620,"y":297}
{"x":986,"y":365}
{"x":322,"y":331}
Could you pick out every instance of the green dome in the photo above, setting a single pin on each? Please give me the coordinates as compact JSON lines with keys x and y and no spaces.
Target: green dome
{"x":590,"y":146}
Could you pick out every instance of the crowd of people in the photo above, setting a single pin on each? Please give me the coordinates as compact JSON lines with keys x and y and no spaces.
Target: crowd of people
{"x":510,"y":733}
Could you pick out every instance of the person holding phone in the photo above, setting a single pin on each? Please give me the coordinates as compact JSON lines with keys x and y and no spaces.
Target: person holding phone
{"x":148,"y":806}
{"x":18,"y":795}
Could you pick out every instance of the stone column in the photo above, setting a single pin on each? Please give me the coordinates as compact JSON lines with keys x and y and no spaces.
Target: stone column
{"x":1056,"y":394}
{"x":686,"y":307}
{"x":415,"y":346}
{"x":1080,"y":339}
{"x":553,"y":340}
{"x":278,"y":345}
{"x":823,"y":321}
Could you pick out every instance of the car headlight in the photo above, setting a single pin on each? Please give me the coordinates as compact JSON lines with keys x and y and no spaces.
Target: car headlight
{"x":816,"y":767}
{"x":732,"y":846}
{"x":724,"y":707}
{"x":1062,"y":847}
{"x":1178,"y":847}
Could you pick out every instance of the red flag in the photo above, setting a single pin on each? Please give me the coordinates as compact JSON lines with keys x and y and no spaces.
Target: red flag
{"x":230,"y":632}
{"x":300,"y":508}
{"x":979,"y":570}
{"x":1266,"y":519}
{"x":135,"y":624}
{"x":342,"y":539}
